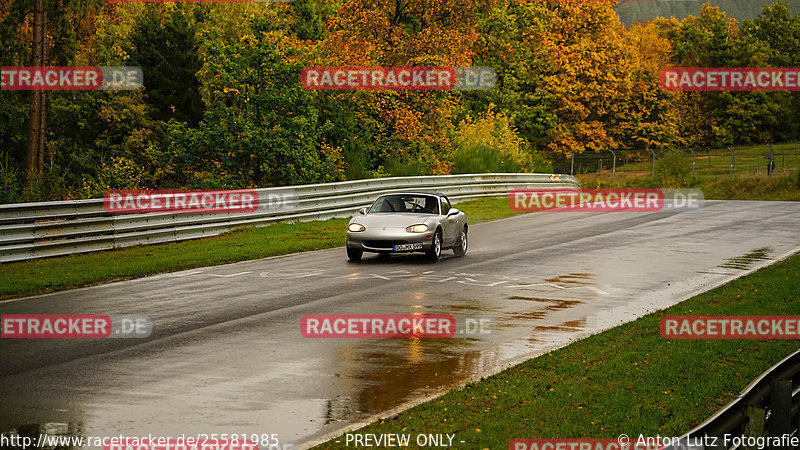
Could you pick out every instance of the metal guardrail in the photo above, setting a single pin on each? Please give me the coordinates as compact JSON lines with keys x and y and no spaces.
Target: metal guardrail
{"x":768,"y":407}
{"x":38,"y":230}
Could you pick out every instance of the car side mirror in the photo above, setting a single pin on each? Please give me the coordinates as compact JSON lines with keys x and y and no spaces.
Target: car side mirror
{"x":453,"y":212}
{"x":363,"y":211}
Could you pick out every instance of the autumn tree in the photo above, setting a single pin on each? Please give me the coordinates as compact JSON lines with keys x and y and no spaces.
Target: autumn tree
{"x":402,"y":131}
{"x":54,"y":28}
{"x":713,"y":39}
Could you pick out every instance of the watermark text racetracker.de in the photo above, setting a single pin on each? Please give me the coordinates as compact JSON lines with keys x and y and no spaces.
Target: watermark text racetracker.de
{"x":211,"y":201}
{"x":73,"y":326}
{"x":384,"y":326}
{"x":70,"y":78}
{"x":356,"y":78}
{"x":730,"y":79}
{"x":601,"y":200}
{"x":730,"y":327}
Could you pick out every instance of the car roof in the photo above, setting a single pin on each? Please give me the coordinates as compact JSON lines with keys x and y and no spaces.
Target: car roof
{"x":433,"y":194}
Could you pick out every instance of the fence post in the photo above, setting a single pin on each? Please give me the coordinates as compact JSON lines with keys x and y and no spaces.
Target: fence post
{"x":653,"y":171}
{"x":771,"y":161}
{"x":693,"y":160}
{"x":614,"y":166}
{"x":731,"y":175}
{"x":572,"y":164}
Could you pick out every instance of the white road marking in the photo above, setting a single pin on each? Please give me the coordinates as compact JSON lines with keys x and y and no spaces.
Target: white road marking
{"x":596,"y":290}
{"x":229,"y":276}
{"x":591,"y":288}
{"x":187,"y":273}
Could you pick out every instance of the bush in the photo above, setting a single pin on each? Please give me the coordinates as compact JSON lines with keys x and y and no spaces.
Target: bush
{"x":481,"y":158}
{"x":491,"y":145}
{"x":10,"y":183}
{"x":673,"y":169}
{"x":120,"y":174}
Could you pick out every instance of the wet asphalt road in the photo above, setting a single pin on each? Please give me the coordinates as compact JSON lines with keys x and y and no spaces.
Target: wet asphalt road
{"x":227,"y":355}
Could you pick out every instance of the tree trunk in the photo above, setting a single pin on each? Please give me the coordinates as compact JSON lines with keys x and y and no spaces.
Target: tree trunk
{"x":36,"y":123}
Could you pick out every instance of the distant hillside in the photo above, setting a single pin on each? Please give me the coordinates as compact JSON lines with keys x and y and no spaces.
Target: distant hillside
{"x":631,"y":12}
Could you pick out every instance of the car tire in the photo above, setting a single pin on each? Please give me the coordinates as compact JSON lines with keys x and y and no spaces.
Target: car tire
{"x":462,"y":244}
{"x":354,"y":254}
{"x":436,"y":249}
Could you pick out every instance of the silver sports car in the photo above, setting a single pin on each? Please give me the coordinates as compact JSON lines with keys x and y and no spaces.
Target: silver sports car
{"x":408,"y":222}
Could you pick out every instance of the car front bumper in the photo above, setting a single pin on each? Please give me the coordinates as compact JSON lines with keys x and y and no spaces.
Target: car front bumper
{"x":383,"y":240}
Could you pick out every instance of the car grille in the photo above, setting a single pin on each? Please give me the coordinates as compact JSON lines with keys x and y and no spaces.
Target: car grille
{"x":384,"y":244}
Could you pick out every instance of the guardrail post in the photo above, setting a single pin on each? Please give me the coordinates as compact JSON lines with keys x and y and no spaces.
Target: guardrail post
{"x":780,"y":407}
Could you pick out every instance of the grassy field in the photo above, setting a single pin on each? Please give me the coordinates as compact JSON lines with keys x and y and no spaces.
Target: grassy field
{"x":52,"y":274}
{"x":626,"y":380}
{"x":712,"y":174}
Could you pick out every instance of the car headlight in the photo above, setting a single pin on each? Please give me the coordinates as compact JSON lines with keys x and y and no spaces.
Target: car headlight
{"x":417,"y":229}
{"x":355,"y":227}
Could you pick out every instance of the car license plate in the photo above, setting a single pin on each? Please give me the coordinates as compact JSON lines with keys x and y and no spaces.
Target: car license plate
{"x":408,"y":247}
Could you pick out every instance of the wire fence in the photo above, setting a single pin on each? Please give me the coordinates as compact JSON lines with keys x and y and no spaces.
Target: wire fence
{"x":767,"y":160}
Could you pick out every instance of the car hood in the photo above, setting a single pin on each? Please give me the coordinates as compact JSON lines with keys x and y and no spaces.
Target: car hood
{"x":391,"y":220}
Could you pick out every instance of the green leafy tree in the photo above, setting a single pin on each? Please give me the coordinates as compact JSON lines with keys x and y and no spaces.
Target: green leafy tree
{"x":260,"y":127}
{"x":724,"y":118}
{"x":163,"y":44}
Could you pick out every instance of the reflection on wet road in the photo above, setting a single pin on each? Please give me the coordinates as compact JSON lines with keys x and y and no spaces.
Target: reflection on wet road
{"x":227,"y":356}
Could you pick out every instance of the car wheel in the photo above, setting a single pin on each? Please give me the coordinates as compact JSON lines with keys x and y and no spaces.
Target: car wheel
{"x":436,"y":249}
{"x":354,"y":254}
{"x":461,"y":246}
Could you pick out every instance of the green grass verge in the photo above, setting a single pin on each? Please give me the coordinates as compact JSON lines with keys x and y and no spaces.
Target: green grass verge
{"x":626,"y":380}
{"x":66,"y":272}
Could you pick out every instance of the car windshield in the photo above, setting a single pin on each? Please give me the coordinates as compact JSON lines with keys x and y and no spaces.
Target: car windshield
{"x":417,"y":204}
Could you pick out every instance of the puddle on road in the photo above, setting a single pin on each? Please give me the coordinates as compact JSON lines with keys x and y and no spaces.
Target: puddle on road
{"x":555,"y":304}
{"x":569,"y":326}
{"x":572,"y":278}
{"x":532,"y":299}
{"x":535,"y":315}
{"x":33,"y":431}
{"x":541,"y":331}
{"x":747,"y":260}
{"x":404,"y":369}
{"x":466,"y":307}
{"x":421,"y":367}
